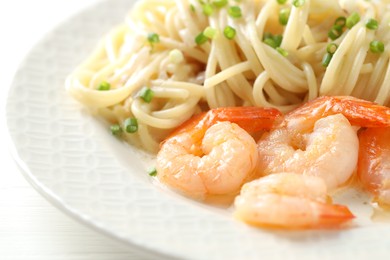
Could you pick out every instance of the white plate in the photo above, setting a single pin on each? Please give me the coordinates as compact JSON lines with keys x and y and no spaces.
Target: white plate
{"x":72,"y":159}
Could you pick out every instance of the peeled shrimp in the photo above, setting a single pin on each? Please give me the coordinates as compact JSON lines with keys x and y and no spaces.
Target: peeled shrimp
{"x":330,"y":151}
{"x":318,"y":139}
{"x":211,"y":154}
{"x":288,"y":200}
{"x":374,"y":163}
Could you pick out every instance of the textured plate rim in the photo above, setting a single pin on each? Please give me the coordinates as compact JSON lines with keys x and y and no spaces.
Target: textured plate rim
{"x":45,"y":191}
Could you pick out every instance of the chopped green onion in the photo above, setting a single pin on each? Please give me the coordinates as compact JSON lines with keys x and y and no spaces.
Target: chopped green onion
{"x":281,"y":2}
{"x":153,"y":38}
{"x":201,"y":39}
{"x":104,"y":85}
{"x":152,"y":172}
{"x":372,"y":24}
{"x":271,"y":42}
{"x":207,"y":9}
{"x":335,"y":32}
{"x":282,"y":51}
{"x":131,"y":125}
{"x":210,"y":32}
{"x":340,"y":21}
{"x":353,"y":19}
{"x":331,"y":48}
{"x":229,"y":32}
{"x":146,"y":94}
{"x":278,"y":39}
{"x":116,"y":129}
{"x":284,"y":14}
{"x":377,"y":47}
{"x":220,"y":3}
{"x":326,"y":59}
{"x":298,"y":3}
{"x":234,"y":12}
{"x":192,"y":8}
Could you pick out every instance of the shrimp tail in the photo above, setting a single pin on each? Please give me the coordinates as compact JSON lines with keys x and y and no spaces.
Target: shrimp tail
{"x":334,"y":215}
{"x":359,"y":112}
{"x":251,"y":119}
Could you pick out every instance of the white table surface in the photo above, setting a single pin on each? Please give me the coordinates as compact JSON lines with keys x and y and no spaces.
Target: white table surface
{"x":30,"y":227}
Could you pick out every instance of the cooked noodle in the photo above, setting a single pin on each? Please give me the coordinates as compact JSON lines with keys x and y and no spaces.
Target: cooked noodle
{"x":186,"y":77}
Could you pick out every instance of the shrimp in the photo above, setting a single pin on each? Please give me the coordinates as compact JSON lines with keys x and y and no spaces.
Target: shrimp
{"x":330,"y":151}
{"x":358,"y":112}
{"x":211,"y":154}
{"x":374,"y":163}
{"x":318,"y":139}
{"x":289,"y":200}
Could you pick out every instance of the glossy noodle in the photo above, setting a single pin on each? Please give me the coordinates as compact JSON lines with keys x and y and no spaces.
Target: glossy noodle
{"x":188,"y":55}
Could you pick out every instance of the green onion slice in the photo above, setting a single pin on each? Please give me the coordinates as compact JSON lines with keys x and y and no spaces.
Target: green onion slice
{"x":210,"y":32}
{"x":235,"y":12}
{"x":331,"y":48}
{"x":298,"y":3}
{"x":207,"y":9}
{"x":201,"y":39}
{"x":131,"y":125}
{"x":284,"y":14}
{"x":229,"y":32}
{"x":273,"y":40}
{"x":352,"y":20}
{"x":372,"y":24}
{"x":377,"y":47}
{"x":220,"y":3}
{"x":116,"y":129}
{"x":104,"y":85}
{"x":152,"y":172}
{"x":153,"y":38}
{"x":326,"y":59}
{"x":282,"y":51}
{"x":146,"y":94}
{"x":341,"y":21}
{"x":335,"y":32}
{"x":281,"y":2}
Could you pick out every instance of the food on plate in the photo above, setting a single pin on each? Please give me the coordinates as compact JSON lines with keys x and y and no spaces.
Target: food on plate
{"x":319,"y":138}
{"x":291,"y":201}
{"x":318,"y":143}
{"x":213,"y":154}
{"x":172,"y":59}
{"x":374,"y":163}
{"x":200,"y":82}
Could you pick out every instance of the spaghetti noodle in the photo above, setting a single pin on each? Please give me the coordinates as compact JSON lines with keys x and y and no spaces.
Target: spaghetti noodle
{"x":174,"y":58}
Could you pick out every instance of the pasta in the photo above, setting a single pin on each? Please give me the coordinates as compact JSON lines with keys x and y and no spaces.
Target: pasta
{"x":171,"y":59}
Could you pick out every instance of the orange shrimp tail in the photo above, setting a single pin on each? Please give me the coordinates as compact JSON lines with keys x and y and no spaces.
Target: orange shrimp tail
{"x":373,"y":163}
{"x":359,"y":112}
{"x":333,"y":215}
{"x":251,"y":119}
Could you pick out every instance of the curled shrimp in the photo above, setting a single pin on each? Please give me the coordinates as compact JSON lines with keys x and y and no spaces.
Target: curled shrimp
{"x":318,"y":139}
{"x":289,"y":200}
{"x":212,"y":154}
{"x":374,"y":163}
